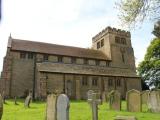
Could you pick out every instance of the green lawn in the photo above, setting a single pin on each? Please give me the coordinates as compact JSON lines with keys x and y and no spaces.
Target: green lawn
{"x":79,"y":110}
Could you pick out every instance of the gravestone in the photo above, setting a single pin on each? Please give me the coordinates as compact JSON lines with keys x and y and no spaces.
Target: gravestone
{"x":125,"y":118}
{"x":1,"y":106}
{"x":28,"y":101}
{"x":15,"y":100}
{"x":89,"y":94}
{"x":115,"y":100}
{"x":134,"y":102}
{"x":145,"y":97}
{"x":3,"y":97}
{"x":63,"y":107}
{"x":94,"y":100}
{"x":154,"y":101}
{"x":51,"y":107}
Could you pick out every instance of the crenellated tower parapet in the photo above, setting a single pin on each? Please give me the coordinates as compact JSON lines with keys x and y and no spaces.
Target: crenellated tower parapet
{"x":110,"y":30}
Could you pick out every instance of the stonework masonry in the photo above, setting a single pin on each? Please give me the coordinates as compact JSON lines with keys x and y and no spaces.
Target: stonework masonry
{"x":46,"y":68}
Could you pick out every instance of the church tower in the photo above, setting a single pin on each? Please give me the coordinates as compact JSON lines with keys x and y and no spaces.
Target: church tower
{"x":116,"y":44}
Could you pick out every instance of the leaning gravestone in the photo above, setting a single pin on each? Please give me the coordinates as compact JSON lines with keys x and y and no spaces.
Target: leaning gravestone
{"x":51,"y":107}
{"x":94,"y":100}
{"x":28,"y":101}
{"x":1,"y":106}
{"x":134,"y":103}
{"x":154,"y":101}
{"x":62,"y":107}
{"x":115,"y":100}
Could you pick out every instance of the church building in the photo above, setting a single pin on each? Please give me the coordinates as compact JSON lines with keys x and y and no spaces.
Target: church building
{"x":46,"y":68}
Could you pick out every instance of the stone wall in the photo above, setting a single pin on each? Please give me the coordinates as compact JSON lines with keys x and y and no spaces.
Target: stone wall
{"x":22,"y":76}
{"x":54,"y":82}
{"x":134,"y":83}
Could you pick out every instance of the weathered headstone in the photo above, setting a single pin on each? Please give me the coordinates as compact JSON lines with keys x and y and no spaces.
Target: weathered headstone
{"x":1,"y":106}
{"x":125,"y":118}
{"x":134,"y":102}
{"x":115,"y":100}
{"x":89,"y":94}
{"x":51,"y":107}
{"x":63,"y":107}
{"x":28,"y":101}
{"x":154,"y":101}
{"x":94,"y":100}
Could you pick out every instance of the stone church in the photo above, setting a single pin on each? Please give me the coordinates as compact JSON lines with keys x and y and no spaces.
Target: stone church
{"x":45,"y":68}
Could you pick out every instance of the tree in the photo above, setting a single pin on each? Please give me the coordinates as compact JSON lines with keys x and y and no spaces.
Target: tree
{"x":135,"y":11}
{"x":149,"y":69}
{"x":156,"y":30}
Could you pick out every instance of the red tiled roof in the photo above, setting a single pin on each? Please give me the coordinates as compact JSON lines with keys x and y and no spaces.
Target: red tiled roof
{"x":39,"y":47}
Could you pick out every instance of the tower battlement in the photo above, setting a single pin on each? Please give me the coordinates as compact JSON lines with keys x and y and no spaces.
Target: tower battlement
{"x":112,"y":31}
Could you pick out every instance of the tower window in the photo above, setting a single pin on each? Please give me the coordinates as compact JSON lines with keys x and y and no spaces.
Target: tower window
{"x":123,"y":41}
{"x":120,"y":40}
{"x":95,"y":81}
{"x":85,"y":81}
{"x":117,"y":39}
{"x":98,"y":45}
{"x":22,"y":55}
{"x":102,"y":42}
{"x":45,"y":57}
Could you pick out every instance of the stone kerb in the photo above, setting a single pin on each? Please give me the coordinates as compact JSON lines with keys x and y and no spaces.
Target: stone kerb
{"x":115,"y":100}
{"x":134,"y":102}
{"x":154,"y":101}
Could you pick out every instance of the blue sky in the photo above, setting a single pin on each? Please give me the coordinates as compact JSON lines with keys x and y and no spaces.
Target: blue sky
{"x":67,"y":22}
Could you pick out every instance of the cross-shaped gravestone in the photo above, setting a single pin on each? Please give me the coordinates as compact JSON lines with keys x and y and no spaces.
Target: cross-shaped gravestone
{"x":94,"y":100}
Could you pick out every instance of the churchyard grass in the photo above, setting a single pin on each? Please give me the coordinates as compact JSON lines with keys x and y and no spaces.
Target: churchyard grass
{"x":79,"y":110}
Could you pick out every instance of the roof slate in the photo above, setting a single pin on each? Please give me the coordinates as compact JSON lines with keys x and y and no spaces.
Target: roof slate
{"x":47,"y":48}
